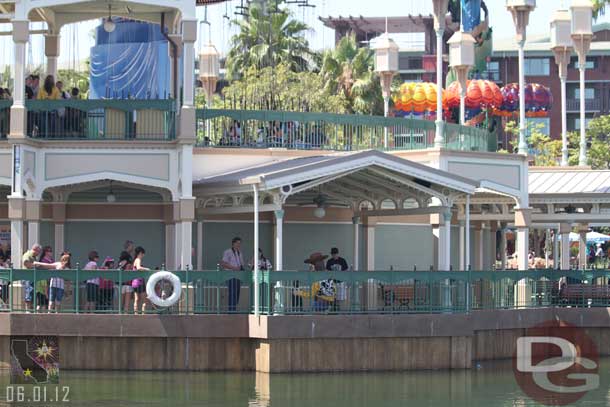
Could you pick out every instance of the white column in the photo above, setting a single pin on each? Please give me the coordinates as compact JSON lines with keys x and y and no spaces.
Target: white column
{"x":17,"y":246}
{"x":369,"y":244}
{"x":438,"y":138}
{"x":522,"y":125}
{"x":582,"y":157}
{"x":523,"y":248}
{"x":33,"y":232}
{"x":503,"y":248}
{"x":467,"y":238}
{"x":582,"y":247}
{"x":51,"y":50}
{"x":186,"y":258}
{"x":444,"y":246}
{"x":564,"y":230}
{"x":479,"y":248}
{"x":18,"y":115}
{"x":256,"y":245}
{"x":462,"y":245}
{"x":494,"y":245}
{"x":463,"y":105}
{"x":564,"y":123}
{"x":279,"y":240}
{"x":356,"y":224}
{"x":199,"y":245}
{"x":556,"y":256}
{"x":58,"y":239}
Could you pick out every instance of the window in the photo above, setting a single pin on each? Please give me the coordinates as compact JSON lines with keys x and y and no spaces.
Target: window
{"x":590,"y":64}
{"x":589,"y":93}
{"x":577,"y":123}
{"x":539,"y":124}
{"x":537,"y":67}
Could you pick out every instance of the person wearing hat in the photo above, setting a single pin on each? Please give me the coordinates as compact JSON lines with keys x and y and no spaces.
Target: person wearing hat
{"x":336,"y":263}
{"x":316,"y":261}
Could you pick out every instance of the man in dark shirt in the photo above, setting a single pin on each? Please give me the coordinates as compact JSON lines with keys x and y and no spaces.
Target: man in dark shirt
{"x":336,"y":263}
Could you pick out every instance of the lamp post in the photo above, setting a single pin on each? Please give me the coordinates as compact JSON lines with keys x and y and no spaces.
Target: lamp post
{"x":440,"y":8}
{"x":461,"y":58}
{"x":561,"y":45}
{"x":582,"y":34}
{"x":386,"y":66}
{"x":209,"y":71}
{"x":520,"y":10}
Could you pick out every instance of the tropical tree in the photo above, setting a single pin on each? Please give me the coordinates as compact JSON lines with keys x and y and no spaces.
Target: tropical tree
{"x":348,"y":70}
{"x":268,"y":36}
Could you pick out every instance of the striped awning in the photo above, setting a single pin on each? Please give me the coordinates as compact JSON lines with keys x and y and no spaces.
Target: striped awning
{"x":569,"y":182}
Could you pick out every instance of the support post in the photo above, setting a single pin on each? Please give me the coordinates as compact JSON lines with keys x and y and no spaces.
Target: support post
{"x":369,"y":243}
{"x":523,"y":148}
{"x":503,"y":248}
{"x":467,"y":239}
{"x":356,"y":224}
{"x":444,"y":250}
{"x":564,"y":231}
{"x":21,"y":34}
{"x":582,"y":156}
{"x":187,"y":112}
{"x":59,"y":220}
{"x":582,"y":246}
{"x":51,"y":51}
{"x":439,"y":140}
{"x":462,"y":247}
{"x":32,"y":213}
{"x":279,"y":240}
{"x":523,"y":218}
{"x":556,"y":263}
{"x":255,"y":272}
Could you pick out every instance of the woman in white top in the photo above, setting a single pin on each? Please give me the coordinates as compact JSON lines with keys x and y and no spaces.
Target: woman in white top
{"x":56,"y":284}
{"x":139,"y":287}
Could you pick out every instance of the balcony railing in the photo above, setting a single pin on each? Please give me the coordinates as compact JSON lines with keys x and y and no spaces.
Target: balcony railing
{"x":325,"y":131}
{"x":591,"y":105}
{"x":5,"y":118}
{"x":305,"y":292}
{"x":101,"y":119}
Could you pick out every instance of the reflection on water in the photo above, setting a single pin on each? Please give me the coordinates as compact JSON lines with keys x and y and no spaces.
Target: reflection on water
{"x":490,"y":385}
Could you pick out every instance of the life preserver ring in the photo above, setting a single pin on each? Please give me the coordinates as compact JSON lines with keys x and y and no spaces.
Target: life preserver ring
{"x":156,"y":278}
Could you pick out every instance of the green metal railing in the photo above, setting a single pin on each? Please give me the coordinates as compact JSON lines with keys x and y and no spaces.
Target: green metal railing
{"x":101,"y":119}
{"x":5,"y":118}
{"x":304,"y":292}
{"x":429,"y":292}
{"x":326,"y":131}
{"x":202,"y":291}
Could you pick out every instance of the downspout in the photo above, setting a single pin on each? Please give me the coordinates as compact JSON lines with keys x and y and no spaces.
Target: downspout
{"x":174,"y":47}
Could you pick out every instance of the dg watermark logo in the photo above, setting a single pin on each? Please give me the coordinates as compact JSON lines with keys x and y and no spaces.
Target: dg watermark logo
{"x":556,"y":363}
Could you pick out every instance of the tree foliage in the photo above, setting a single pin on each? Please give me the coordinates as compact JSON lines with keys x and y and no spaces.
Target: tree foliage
{"x":268,"y":37}
{"x":280,"y":88}
{"x":348,"y":70}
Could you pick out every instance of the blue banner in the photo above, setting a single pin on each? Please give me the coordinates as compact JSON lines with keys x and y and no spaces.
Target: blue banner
{"x":471,"y":14}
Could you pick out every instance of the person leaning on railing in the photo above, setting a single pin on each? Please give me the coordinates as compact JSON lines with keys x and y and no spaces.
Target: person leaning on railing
{"x":56,"y":284}
{"x":48,"y":125}
{"x":27,"y":262}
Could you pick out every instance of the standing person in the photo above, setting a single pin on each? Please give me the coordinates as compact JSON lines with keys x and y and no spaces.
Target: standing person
{"x":93,"y":284}
{"x":125,"y":264}
{"x":49,"y":91}
{"x":27,"y":262}
{"x":56,"y":284}
{"x":42,"y":286}
{"x":130,"y":247}
{"x":234,"y":261}
{"x":336,"y":263}
{"x":107,"y":286}
{"x":139,"y":288}
{"x":263,"y":262}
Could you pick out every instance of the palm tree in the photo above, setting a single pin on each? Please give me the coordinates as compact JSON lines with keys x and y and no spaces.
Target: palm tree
{"x":267,"y":37}
{"x":348,"y":70}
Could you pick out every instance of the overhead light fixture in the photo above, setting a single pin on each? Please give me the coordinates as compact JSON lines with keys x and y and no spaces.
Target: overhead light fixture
{"x":111,"y":197}
{"x":319,"y":212}
{"x":109,"y":25}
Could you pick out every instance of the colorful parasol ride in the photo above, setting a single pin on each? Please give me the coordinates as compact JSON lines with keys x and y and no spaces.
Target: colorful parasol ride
{"x":538,"y":101}
{"x":416,"y":99}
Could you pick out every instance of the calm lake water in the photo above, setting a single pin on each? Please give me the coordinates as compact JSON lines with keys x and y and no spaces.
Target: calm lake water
{"x":490,"y":385}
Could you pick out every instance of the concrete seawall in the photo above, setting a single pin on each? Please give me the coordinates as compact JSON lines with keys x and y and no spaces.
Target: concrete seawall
{"x":291,"y":343}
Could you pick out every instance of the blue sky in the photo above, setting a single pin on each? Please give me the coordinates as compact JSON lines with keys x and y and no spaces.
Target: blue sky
{"x":76,"y":40}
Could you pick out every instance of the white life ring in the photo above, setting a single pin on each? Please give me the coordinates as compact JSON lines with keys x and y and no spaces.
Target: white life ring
{"x":156,"y":278}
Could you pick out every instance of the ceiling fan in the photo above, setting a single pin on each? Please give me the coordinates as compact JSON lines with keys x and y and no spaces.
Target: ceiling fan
{"x":321,"y":202}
